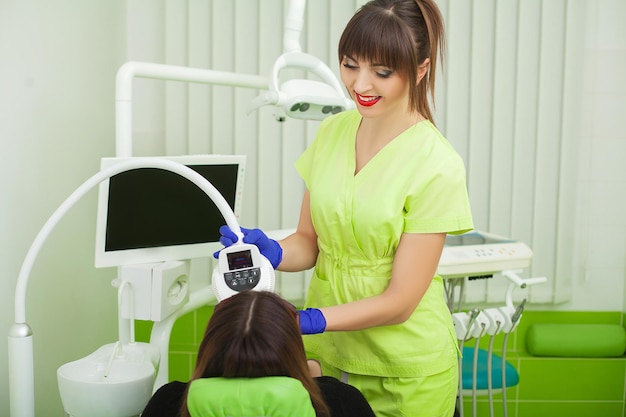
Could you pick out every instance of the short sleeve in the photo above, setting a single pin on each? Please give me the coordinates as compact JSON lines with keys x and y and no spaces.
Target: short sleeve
{"x":441,"y":204}
{"x":304,"y":163}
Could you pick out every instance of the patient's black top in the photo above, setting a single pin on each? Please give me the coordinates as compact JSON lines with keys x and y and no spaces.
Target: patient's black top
{"x":343,"y":400}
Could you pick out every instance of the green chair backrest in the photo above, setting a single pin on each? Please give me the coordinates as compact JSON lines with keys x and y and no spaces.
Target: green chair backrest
{"x":275,"y":396}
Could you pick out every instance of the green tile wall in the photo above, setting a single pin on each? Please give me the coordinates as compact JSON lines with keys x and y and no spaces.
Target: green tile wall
{"x":549,"y":387}
{"x":184,"y":341}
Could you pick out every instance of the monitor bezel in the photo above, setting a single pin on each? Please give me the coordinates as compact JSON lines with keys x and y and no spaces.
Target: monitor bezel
{"x":104,"y":258}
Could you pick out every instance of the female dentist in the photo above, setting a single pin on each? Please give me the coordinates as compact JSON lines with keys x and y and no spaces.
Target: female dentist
{"x":383,"y":188}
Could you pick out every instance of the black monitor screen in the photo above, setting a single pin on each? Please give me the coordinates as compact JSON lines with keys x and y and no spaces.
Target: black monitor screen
{"x":151,"y":207}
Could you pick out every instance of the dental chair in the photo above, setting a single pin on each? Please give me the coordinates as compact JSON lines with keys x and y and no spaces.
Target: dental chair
{"x":275,"y":396}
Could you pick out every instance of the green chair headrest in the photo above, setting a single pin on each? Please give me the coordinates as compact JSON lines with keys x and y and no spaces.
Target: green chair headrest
{"x":274,"y":396}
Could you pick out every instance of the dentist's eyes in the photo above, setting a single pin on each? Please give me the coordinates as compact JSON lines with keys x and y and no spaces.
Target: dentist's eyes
{"x":381,"y":73}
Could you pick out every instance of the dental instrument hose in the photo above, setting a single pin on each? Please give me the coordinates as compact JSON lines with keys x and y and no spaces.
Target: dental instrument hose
{"x":514,"y":319}
{"x":489,"y":369}
{"x":473,"y":313}
{"x":475,"y":370}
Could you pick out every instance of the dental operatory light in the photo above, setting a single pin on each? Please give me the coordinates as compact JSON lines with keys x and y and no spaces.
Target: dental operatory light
{"x":301,"y":98}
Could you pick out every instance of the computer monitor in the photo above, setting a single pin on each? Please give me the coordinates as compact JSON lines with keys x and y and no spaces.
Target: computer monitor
{"x":150,"y":215}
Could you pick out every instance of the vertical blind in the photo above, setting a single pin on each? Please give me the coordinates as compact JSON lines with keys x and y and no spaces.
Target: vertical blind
{"x":507,"y":100}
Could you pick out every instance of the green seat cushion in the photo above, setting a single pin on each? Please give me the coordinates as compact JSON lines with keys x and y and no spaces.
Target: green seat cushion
{"x":576,"y":340}
{"x":249,"y":397}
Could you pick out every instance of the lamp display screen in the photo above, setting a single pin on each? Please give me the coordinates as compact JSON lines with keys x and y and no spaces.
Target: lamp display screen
{"x":239,"y":260}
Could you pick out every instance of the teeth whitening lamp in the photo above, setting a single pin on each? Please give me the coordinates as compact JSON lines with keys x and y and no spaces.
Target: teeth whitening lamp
{"x":130,"y":366}
{"x":241,"y":267}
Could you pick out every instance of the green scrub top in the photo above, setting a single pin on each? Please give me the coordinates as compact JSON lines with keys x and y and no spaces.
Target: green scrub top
{"x":415,"y":184}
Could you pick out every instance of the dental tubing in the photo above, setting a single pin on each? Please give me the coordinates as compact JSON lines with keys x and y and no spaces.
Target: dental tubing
{"x":463,"y":323}
{"x":496,"y":319}
{"x":491,"y":321}
{"x":475,"y":324}
{"x":515,"y":318}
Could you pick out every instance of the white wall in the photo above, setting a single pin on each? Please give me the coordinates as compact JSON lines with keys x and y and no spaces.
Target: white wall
{"x":534,"y":101}
{"x":600,"y":283}
{"x":57,"y":72}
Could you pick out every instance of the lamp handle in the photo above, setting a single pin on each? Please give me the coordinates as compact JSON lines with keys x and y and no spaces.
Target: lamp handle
{"x":307,"y":62}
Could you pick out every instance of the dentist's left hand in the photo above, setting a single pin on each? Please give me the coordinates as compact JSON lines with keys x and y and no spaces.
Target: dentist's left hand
{"x":268,"y":247}
{"x":312,"y":321}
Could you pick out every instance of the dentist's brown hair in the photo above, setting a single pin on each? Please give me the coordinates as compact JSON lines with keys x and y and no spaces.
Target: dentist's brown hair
{"x":405,"y":35}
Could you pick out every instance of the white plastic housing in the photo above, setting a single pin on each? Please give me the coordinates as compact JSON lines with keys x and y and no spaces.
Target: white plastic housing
{"x":159,"y":289}
{"x":496,"y":320}
{"x":225,"y":272}
{"x":507,"y":312}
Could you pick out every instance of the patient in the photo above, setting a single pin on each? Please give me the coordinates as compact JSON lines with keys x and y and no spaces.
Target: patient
{"x":256,"y":334}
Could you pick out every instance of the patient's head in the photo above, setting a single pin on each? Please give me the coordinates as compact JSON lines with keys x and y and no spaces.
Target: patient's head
{"x":255,"y":334}
{"x":252,"y":334}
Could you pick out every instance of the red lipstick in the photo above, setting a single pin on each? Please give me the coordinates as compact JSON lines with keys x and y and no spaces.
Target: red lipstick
{"x":367,"y":101}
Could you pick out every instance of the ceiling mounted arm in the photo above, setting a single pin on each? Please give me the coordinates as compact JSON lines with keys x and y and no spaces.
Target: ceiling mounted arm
{"x":293,"y":26}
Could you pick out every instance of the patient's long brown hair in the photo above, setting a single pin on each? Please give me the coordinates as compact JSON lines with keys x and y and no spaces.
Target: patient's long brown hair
{"x":255,"y":334}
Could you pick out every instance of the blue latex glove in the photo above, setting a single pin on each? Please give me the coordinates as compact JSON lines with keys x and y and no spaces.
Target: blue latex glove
{"x":312,"y":321}
{"x":268,"y":247}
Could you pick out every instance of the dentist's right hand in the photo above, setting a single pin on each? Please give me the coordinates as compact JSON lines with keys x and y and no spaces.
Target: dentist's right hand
{"x":268,"y":247}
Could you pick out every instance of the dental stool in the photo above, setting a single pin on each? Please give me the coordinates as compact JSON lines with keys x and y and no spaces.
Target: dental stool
{"x":275,"y":396}
{"x":511,"y":377}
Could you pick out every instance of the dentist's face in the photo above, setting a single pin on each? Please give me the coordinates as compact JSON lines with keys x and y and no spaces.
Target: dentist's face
{"x":375,"y":88}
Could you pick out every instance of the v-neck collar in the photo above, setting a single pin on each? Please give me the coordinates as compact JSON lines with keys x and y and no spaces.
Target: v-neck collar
{"x":389,"y":145}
